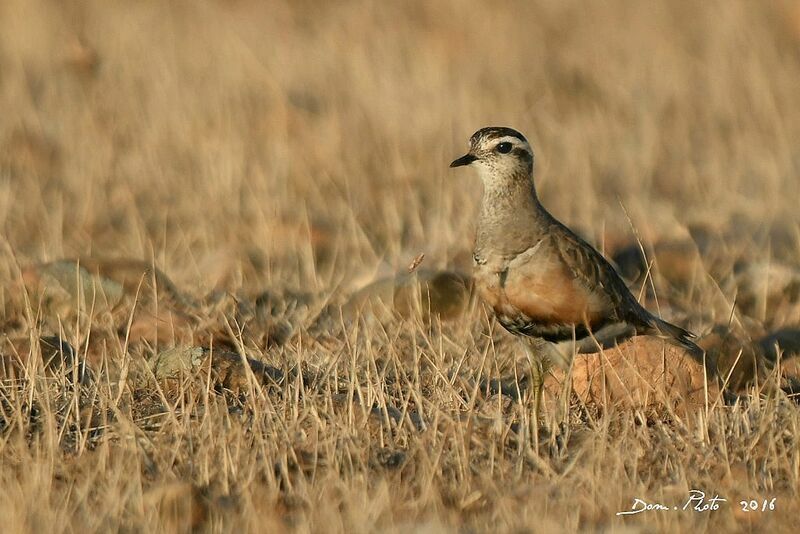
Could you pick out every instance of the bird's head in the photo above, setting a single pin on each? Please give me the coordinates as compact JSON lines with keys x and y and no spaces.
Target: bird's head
{"x":499,"y":153}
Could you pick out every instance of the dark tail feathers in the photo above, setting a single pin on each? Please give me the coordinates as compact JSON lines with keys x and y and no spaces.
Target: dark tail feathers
{"x":684,"y":339}
{"x":677,"y":335}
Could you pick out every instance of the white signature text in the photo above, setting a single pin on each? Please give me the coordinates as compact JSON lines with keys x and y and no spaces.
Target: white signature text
{"x":696,"y":502}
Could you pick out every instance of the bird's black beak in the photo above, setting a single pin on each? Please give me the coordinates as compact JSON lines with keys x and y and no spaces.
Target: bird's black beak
{"x":466,"y":159}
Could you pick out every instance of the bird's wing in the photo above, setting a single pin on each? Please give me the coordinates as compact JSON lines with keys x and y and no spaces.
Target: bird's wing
{"x":594,"y":273}
{"x":599,"y":277}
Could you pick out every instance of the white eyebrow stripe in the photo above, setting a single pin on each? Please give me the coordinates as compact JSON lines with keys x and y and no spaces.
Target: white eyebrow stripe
{"x":508,"y":139}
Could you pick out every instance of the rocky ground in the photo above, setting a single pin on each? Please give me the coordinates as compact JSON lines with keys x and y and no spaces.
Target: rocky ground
{"x":235,"y":267}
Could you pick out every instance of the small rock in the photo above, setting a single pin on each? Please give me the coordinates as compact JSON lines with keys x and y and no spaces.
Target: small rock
{"x":176,"y":362}
{"x":423,"y":293}
{"x":59,"y":358}
{"x":766,"y":286}
{"x":67,"y":284}
{"x":226,"y":369}
{"x":388,"y":458}
{"x":643,"y":372}
{"x":679,"y":262}
{"x":739,"y":361}
{"x":785,"y":341}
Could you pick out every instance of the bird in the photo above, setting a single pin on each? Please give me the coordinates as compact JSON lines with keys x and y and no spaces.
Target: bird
{"x":543,"y":282}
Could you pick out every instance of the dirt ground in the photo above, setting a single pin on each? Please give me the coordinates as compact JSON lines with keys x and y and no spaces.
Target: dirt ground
{"x":235,"y":287}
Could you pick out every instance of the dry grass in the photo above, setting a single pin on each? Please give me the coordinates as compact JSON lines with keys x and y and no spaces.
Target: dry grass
{"x":302,"y":148}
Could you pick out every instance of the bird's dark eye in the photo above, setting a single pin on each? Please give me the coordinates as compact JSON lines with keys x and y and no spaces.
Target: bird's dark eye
{"x":504,"y":148}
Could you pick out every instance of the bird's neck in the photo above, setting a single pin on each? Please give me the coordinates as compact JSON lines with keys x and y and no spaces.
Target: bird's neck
{"x":510,"y":216}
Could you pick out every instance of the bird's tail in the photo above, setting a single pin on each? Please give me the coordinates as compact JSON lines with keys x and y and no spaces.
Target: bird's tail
{"x":684,"y":339}
{"x":679,"y":336}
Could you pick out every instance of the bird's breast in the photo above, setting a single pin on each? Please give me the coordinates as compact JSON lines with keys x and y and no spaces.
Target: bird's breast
{"x":537,"y":289}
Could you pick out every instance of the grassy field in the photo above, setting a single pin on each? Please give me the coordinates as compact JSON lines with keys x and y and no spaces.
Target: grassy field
{"x":217,"y":205}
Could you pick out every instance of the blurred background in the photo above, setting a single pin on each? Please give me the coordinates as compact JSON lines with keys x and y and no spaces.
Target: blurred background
{"x":308,"y":142}
{"x":275,"y":159}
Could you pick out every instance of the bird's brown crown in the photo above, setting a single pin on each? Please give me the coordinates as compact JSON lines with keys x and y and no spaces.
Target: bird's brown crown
{"x":493,"y":132}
